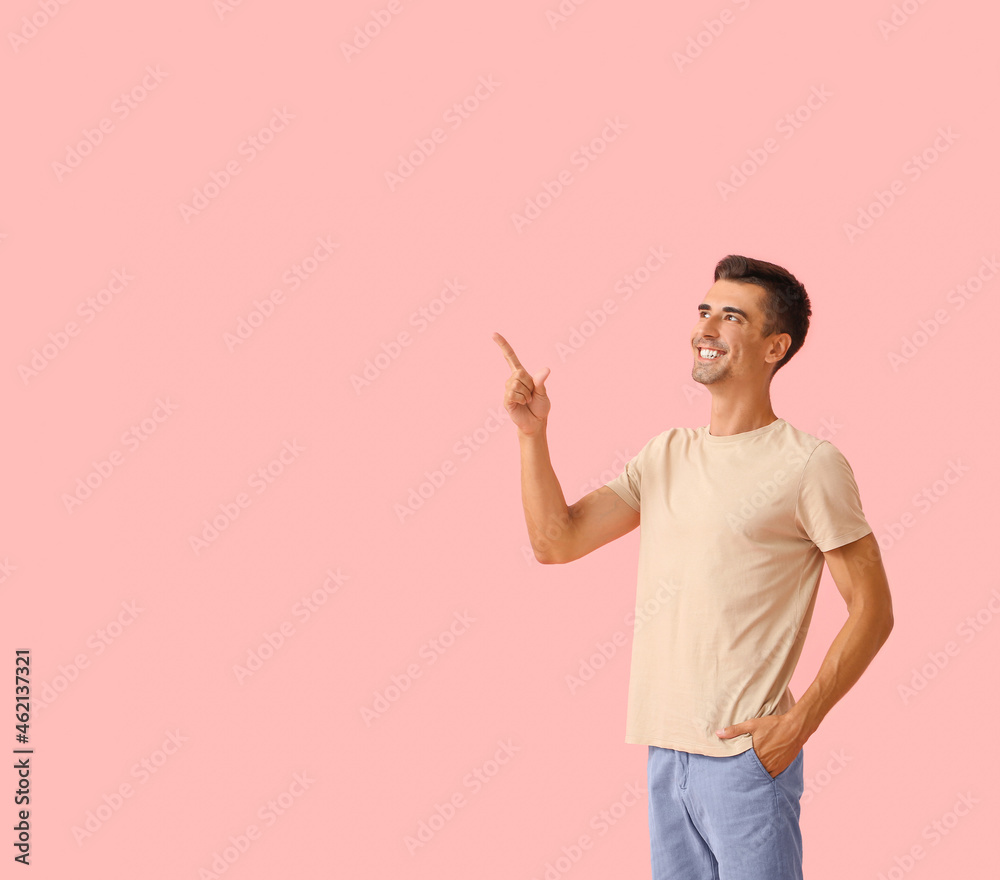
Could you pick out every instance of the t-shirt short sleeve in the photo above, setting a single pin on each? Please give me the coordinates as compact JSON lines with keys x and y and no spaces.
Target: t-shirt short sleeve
{"x":828,"y":510}
{"x":628,"y":483}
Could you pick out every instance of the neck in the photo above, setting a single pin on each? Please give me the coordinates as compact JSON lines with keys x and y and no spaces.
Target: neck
{"x":737,"y":416}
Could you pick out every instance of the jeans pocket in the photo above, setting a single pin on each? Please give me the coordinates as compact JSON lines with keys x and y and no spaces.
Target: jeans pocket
{"x":755,"y":758}
{"x":790,"y":770}
{"x":792,"y":774}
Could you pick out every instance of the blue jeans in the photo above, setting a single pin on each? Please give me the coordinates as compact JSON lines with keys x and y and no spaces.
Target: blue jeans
{"x":723,"y":818}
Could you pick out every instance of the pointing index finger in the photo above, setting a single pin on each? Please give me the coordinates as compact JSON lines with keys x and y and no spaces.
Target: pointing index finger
{"x":508,"y":352}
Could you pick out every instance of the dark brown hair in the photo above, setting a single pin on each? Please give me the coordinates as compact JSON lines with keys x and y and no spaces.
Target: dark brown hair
{"x":785,"y":304}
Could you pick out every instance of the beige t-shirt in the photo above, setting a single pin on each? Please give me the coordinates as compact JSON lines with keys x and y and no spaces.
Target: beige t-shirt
{"x":732,"y":535}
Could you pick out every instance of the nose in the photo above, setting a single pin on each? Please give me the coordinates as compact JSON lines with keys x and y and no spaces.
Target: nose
{"x":710,"y":328}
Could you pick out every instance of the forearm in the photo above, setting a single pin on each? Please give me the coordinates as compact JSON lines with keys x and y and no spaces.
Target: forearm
{"x":852,"y":650}
{"x":545,"y":510}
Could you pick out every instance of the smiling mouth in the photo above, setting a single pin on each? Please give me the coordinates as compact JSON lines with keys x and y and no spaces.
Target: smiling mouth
{"x":710,"y":357}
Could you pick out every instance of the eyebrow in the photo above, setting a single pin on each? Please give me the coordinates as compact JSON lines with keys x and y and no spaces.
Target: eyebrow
{"x":705,"y":307}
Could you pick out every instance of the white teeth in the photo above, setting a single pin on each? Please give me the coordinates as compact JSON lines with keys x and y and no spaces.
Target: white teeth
{"x":709,"y":353}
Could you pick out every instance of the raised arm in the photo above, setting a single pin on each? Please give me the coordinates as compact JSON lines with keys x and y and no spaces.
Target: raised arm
{"x":558,"y":532}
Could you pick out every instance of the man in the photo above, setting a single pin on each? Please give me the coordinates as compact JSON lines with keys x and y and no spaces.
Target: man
{"x":738,"y":518}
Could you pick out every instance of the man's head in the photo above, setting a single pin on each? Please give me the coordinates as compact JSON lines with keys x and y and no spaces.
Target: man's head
{"x":756,"y":314}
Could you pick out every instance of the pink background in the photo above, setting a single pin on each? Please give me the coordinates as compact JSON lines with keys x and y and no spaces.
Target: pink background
{"x":113,"y":689}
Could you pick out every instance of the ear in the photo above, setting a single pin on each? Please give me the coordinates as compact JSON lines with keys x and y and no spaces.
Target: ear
{"x":780,"y":343}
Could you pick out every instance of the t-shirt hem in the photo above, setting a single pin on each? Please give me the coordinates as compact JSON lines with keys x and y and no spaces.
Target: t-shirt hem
{"x":840,"y":540}
{"x":624,"y":497}
{"x":695,"y":748}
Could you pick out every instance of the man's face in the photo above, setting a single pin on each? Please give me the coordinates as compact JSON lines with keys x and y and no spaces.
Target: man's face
{"x":730,"y":321}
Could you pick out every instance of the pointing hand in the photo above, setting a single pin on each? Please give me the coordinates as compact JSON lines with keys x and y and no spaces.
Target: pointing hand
{"x":524,"y":395}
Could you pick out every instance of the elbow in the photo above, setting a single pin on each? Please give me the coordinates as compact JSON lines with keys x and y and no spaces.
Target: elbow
{"x":549,"y":550}
{"x":883,"y":624}
{"x":887,"y":625}
{"x":876,"y":620}
{"x":887,"y":618}
{"x":550,"y":554}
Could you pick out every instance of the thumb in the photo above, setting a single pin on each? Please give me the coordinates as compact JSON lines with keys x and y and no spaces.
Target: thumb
{"x":539,"y":381}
